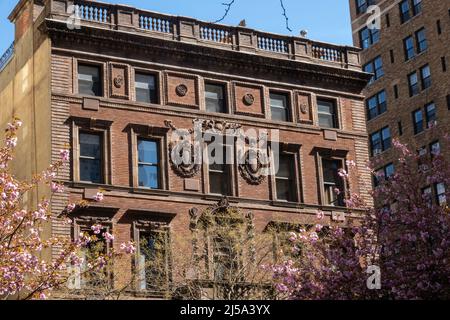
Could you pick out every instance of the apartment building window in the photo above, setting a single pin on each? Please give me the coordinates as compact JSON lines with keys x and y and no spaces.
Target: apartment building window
{"x":376,"y":68}
{"x":362,"y":5}
{"x":219,"y":173}
{"x":417,"y":7}
{"x":90,"y":159}
{"x":332,"y":181}
{"x":380,"y":141}
{"x":327,"y":113}
{"x":89,"y":80}
{"x":279,"y":107}
{"x":413,"y":83}
{"x":369,"y":37}
{"x":435,"y":149}
{"x":421,"y":39}
{"x":405,"y":14}
{"x":148,"y":164}
{"x":376,"y":105}
{"x":215,"y":98}
{"x":387,"y":171}
{"x":430,"y":115}
{"x":145,"y":88}
{"x":425,"y":74}
{"x":409,"y":48}
{"x":441,"y":194}
{"x":418,"y":121}
{"x":284,"y":178}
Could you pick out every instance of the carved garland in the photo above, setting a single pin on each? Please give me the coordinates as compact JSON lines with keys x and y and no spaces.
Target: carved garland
{"x":253,"y":172}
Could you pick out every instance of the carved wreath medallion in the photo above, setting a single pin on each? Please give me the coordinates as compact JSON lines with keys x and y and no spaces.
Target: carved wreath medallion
{"x":181,"y":90}
{"x":118,"y":81}
{"x":248,"y":99}
{"x":252,"y":171}
{"x":182,"y":159}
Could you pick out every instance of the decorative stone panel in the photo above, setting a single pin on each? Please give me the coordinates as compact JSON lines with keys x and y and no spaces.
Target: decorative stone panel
{"x":119,"y":81}
{"x":182,"y":90}
{"x":249,"y":99}
{"x":304,"y":108}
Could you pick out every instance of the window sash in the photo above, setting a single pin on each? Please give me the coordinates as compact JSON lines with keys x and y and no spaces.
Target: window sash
{"x":430,"y":114}
{"x":89,"y":80}
{"x":405,"y":11}
{"x":279,"y":107}
{"x":215,"y":98}
{"x":145,"y":88}
{"x":91,"y":165}
{"x":147,"y":169}
{"x":418,"y":121}
{"x":409,"y":48}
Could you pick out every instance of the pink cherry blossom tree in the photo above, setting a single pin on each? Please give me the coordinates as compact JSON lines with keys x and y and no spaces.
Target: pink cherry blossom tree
{"x":406,"y":237}
{"x":24,"y":274}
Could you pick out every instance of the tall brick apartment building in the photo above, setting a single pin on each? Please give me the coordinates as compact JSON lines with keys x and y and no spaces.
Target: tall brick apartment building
{"x":409,"y":95}
{"x":117,"y":85}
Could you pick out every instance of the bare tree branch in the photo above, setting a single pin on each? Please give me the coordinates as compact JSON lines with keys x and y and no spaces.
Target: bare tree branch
{"x":285,"y":15}
{"x":228,"y":6}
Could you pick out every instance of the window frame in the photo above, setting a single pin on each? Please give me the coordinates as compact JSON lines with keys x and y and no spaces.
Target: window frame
{"x":426,"y":81}
{"x":230,"y":168}
{"x":405,"y":15}
{"x":430,"y":116}
{"x":410,"y":52}
{"x":420,"y":42}
{"x":383,"y":141}
{"x":157,"y":77}
{"x":225,"y":89}
{"x":414,"y":89}
{"x":288,"y":97}
{"x":102,"y":77}
{"x":380,"y":107}
{"x":156,"y":165}
{"x":336,"y":117}
{"x":416,"y":123}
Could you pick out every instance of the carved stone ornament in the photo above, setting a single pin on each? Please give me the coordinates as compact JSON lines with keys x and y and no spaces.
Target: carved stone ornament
{"x":218,"y":126}
{"x":118,"y":81}
{"x":304,"y":108}
{"x":181,"y":90}
{"x":252,"y":171}
{"x":182,"y":159}
{"x":248,"y":99}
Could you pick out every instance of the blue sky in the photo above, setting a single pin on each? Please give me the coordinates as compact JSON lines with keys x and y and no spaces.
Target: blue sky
{"x":325,"y":20}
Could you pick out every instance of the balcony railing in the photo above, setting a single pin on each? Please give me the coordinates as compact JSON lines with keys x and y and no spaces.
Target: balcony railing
{"x":7,"y":56}
{"x":120,"y":17}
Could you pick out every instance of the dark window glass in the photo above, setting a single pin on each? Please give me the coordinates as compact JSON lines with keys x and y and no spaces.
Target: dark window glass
{"x":418,"y":121}
{"x":380,"y":141}
{"x":405,"y":14}
{"x":284,"y":178}
{"x":91,"y":157}
{"x":430,"y":114}
{"x":327,"y":114}
{"x":148,"y":164}
{"x":421,"y":38}
{"x":400,"y":128}
{"x":279,"y":107}
{"x":425,"y":74}
{"x":369,"y":69}
{"x":413,"y":82}
{"x":444,"y":64}
{"x":332,"y":181}
{"x":448,"y":102}
{"x":89,"y":82}
{"x":145,"y":85}
{"x":396,"y":91}
{"x":417,"y":6}
{"x":215,"y":98}
{"x":219,"y":175}
{"x":438,"y":26}
{"x":369,"y":37}
{"x":409,"y":48}
{"x":378,"y":67}
{"x":435,"y":148}
{"x":376,"y":105}
{"x":389,"y":170}
{"x":441,"y":194}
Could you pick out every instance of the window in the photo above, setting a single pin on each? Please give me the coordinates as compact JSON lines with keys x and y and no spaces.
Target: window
{"x":438,"y":26}
{"x":89,"y":82}
{"x":153,"y":264}
{"x":332,"y":181}
{"x":405,"y":14}
{"x":421,"y":39}
{"x":448,"y":102}
{"x":376,"y":67}
{"x":219,"y":174}
{"x":284,"y":178}
{"x":380,"y":141}
{"x":425,"y":74}
{"x":327,"y":114}
{"x":400,"y":128}
{"x":369,"y":37}
{"x":418,"y":121}
{"x":409,"y":48}
{"x":391,"y":53}
{"x":145,"y":86}
{"x":279,"y":107}
{"x":376,"y":105}
{"x":215,"y":98}
{"x":441,"y":194}
{"x":362,"y":5}
{"x":148,"y":164}
{"x":396,"y":91}
{"x":417,"y":7}
{"x":435,"y":149}
{"x":91,"y":161}
{"x":430,"y":115}
{"x":413,"y":82}
{"x":388,"y":20}
{"x":444,"y":64}
{"x":386,"y":172}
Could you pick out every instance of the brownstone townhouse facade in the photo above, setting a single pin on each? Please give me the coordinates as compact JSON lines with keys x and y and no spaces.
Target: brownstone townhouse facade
{"x":408,"y":98}
{"x":115,"y":83}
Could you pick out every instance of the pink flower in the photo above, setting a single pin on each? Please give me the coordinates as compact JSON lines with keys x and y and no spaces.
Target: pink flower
{"x":96,"y":228}
{"x":71,"y":207}
{"x":320,"y":215}
{"x":64,"y":154}
{"x":42,"y":296}
{"x":99,"y":196}
{"x":128,"y":248}
{"x":108,"y":237}
{"x":57,"y":188}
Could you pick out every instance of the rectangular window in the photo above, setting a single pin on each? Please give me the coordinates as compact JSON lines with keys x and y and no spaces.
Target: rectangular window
{"x":91,"y":162}
{"x":327,"y":114}
{"x":380,"y":141}
{"x":408,"y":44}
{"x":145,"y":86}
{"x":400,"y":128}
{"x":438,"y":26}
{"x":388,"y":20}
{"x":386,"y":172}
{"x":215,"y":98}
{"x":448,"y":102}
{"x":405,"y":14}
{"x":413,"y":83}
{"x":396,"y":91}
{"x":441,"y":194}
{"x":418,"y":121}
{"x":376,"y":105}
{"x":148,"y":164}
{"x":444,"y":64}
{"x":391,"y":53}
{"x":421,"y":39}
{"x":332,"y":181}
{"x":219,"y":175}
{"x":361,"y":6}
{"x":417,"y":6}
{"x":284,"y":178}
{"x":425,"y":74}
{"x":279,"y":107}
{"x":435,"y":149}
{"x":430,"y":115}
{"x":368,"y":37}
{"x":89,"y":82}
{"x":378,"y":64}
